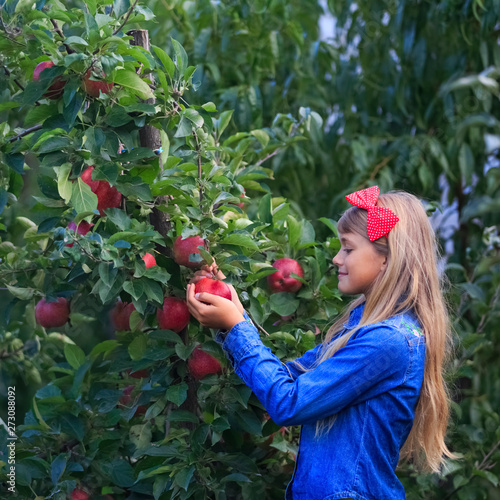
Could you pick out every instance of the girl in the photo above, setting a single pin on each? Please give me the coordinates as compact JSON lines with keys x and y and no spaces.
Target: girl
{"x":373,"y":392}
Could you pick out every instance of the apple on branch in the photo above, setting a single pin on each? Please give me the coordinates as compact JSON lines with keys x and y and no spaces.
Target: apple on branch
{"x":281,"y":281}
{"x":107,"y":196}
{"x":174,"y":315}
{"x":56,"y":90}
{"x":201,"y":364}
{"x":149,"y":260}
{"x":52,"y":314}
{"x":120,"y":315}
{"x":126,"y":400}
{"x":93,"y":86}
{"x":79,"y":494}
{"x":83,"y":228}
{"x":184,"y":247}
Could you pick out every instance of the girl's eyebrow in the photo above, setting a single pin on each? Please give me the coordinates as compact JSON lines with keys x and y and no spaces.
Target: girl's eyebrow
{"x":343,"y":239}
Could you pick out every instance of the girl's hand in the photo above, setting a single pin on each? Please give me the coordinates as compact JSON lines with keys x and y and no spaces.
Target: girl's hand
{"x":212,"y":272}
{"x":213,"y":311}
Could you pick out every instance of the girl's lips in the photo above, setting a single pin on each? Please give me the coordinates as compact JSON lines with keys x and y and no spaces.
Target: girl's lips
{"x":342,"y":274}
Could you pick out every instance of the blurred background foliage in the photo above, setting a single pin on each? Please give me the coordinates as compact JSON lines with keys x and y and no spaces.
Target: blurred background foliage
{"x":404,"y":95}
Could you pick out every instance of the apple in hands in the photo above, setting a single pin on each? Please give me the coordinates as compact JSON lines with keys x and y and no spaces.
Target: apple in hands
{"x":215,"y":287}
{"x":281,"y":281}
{"x":212,"y":310}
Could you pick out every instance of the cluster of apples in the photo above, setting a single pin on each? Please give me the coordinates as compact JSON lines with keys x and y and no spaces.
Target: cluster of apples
{"x":90,"y":85}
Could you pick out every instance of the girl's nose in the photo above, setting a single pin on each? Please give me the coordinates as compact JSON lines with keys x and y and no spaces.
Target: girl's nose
{"x":335,"y":260}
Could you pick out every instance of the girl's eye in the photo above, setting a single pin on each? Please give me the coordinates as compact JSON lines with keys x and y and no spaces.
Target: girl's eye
{"x":347,"y":250}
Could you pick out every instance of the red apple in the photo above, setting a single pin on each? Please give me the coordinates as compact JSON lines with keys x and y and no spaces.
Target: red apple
{"x":56,"y":90}
{"x":138,"y":374}
{"x":281,"y":281}
{"x":52,"y":314}
{"x":149,"y":260}
{"x":79,"y":494}
{"x":215,"y":287}
{"x":107,"y":196}
{"x":184,"y":247}
{"x":93,"y":87}
{"x":127,"y":400}
{"x":242,"y":204}
{"x":120,"y":315}
{"x":201,"y":364}
{"x":174,"y":315}
{"x":83,"y":228}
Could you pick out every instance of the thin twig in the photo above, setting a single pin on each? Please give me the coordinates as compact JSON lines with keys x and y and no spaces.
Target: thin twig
{"x":380,"y":166}
{"x":198,"y":150}
{"x":274,"y":153}
{"x":482,"y":466}
{"x":26,"y":132}
{"x":69,"y":50}
{"x":129,"y":13}
{"x":6,"y":354}
{"x":7,"y":72}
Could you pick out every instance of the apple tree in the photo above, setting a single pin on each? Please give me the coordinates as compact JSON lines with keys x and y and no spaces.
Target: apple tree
{"x":114,"y":189}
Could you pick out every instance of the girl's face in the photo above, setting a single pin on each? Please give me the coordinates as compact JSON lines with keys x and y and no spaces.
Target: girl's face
{"x":358,"y":263}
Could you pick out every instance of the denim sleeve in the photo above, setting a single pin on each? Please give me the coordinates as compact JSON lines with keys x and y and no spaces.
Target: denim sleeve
{"x":376,"y":360}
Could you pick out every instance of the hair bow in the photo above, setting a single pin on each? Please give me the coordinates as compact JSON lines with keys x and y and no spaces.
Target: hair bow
{"x":380,"y":219}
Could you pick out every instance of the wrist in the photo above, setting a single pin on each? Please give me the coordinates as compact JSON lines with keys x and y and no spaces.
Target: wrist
{"x":234,"y":320}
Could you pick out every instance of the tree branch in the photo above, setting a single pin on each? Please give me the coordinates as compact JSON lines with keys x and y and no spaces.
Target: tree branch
{"x":69,"y":50}
{"x":126,"y":18}
{"x":26,"y":132}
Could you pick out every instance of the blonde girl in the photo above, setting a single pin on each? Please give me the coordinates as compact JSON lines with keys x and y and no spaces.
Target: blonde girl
{"x":372,"y":393}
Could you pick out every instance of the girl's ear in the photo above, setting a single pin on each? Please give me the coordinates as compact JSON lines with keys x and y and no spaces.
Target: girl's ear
{"x":384,"y":265}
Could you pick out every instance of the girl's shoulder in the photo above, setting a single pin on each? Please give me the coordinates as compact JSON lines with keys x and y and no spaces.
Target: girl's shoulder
{"x":403,"y":328}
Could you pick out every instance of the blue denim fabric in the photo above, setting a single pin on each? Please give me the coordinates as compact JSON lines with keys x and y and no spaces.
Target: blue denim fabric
{"x":372,"y":385}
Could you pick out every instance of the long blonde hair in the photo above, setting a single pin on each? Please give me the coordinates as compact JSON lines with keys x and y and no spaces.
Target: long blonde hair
{"x":411,"y":282}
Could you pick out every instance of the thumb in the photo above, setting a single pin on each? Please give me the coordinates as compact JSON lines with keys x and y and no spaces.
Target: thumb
{"x":208,"y":298}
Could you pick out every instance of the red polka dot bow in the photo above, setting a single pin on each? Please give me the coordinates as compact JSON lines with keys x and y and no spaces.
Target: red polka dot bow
{"x":380,"y":219}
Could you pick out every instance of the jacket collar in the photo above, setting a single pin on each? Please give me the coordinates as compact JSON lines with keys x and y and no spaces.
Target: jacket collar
{"x":355,"y":316}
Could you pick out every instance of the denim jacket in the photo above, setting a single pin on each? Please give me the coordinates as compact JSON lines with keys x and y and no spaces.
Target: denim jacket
{"x":372,"y":385}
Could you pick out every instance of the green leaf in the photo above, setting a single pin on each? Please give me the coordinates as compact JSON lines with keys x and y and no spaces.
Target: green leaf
{"x":177,"y":393}
{"x":57,"y":468}
{"x":105,"y":346}
{"x":74,"y":355}
{"x":132,"y":81}
{"x":181,"y":58}
{"x":21,"y":293}
{"x":223,"y":121}
{"x":195,"y":117}
{"x":140,"y":435}
{"x":284,"y":303}
{"x":134,"y":288}
{"x":82,"y":198}
{"x":331,"y":224}
{"x":184,"y":476}
{"x":64,"y":185}
{"x":138,"y":347}
{"x":165,"y":59}
{"x":241,"y":240}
